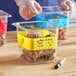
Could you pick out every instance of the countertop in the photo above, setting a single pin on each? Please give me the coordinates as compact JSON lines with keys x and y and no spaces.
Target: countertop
{"x":12,"y":65}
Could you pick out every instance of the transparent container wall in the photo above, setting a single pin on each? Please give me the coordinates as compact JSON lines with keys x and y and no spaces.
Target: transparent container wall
{"x":73,"y":14}
{"x":3,"y":26}
{"x":55,"y":15}
{"x":39,"y":45}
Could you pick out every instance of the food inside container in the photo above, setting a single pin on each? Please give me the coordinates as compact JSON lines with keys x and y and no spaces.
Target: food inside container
{"x":38,"y":45}
{"x":38,"y":56}
{"x":3,"y":26}
{"x":44,"y":54}
{"x":56,"y":17}
{"x":63,"y":34}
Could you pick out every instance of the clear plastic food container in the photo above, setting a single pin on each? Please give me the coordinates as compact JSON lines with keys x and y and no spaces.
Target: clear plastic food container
{"x":38,"y":44}
{"x":3,"y":26}
{"x":55,"y":15}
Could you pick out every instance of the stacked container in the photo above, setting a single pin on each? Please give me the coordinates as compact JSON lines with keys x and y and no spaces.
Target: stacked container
{"x":3,"y":26}
{"x":38,"y":45}
{"x":55,"y":15}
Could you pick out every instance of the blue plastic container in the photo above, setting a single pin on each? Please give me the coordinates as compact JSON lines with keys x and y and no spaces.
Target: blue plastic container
{"x":63,"y":21}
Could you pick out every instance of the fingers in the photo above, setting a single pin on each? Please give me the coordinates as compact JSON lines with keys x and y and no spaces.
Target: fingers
{"x":16,"y":0}
{"x":69,"y":4}
{"x":26,"y":13}
{"x":30,"y":10}
{"x":33,"y":10}
{"x":66,"y":6}
{"x":22,"y":13}
{"x":70,"y":8}
{"x":38,"y":7}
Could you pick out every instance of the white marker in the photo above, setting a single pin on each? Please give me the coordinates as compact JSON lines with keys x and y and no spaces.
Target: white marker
{"x":59,"y":63}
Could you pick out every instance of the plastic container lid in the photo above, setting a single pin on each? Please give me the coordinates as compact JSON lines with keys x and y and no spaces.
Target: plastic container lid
{"x":2,"y":13}
{"x":48,"y":12}
{"x":19,"y":25}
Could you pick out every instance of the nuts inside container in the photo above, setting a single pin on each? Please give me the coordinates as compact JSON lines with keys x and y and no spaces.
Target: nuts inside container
{"x":34,"y":34}
{"x":63,"y":34}
{"x":39,"y":34}
{"x":55,"y":17}
{"x":40,"y":55}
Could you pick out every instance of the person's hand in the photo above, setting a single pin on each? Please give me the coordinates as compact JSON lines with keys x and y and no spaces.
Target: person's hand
{"x":16,"y":1}
{"x":28,"y":8}
{"x":65,"y":5}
